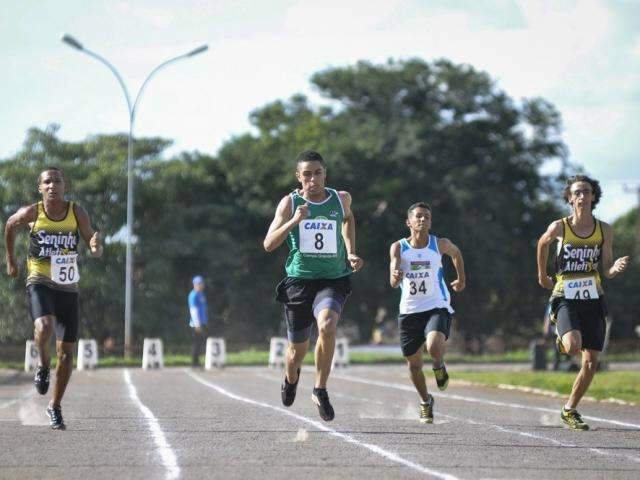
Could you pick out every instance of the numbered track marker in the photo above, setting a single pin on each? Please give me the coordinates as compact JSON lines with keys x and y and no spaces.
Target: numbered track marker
{"x":277,"y":351}
{"x":216,"y":354}
{"x":30,"y":356}
{"x":87,"y":353}
{"x":152,"y":354}
{"x":341,"y":353}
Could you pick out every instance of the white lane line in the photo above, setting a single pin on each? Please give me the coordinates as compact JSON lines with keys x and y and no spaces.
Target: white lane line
{"x":24,"y":396}
{"x":500,"y":428}
{"x":347,"y":438}
{"x":164,"y":449}
{"x":604,"y":453}
{"x":399,"y":386}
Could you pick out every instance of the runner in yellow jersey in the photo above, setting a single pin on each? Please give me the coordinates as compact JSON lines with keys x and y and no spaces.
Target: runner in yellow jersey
{"x":577,"y":299}
{"x":56,"y":226}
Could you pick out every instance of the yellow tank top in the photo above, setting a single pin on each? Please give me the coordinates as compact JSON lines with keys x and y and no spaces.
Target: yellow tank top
{"x":49,"y":237}
{"x":578,"y":257}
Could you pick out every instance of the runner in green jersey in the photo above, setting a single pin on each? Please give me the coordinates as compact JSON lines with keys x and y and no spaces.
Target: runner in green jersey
{"x":319,"y":228}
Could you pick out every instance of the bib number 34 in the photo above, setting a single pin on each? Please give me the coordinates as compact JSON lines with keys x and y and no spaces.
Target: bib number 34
{"x":64,"y":269}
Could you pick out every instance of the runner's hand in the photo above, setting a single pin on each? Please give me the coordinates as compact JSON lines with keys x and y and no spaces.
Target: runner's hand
{"x":545,"y":281}
{"x":12,"y":268}
{"x":458,"y":285}
{"x":620,"y":264}
{"x":95,"y":245}
{"x":396,"y":276}
{"x":301,"y":213}
{"x":355,"y":261}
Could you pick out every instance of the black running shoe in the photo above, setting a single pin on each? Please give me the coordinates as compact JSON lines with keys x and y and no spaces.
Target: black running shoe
{"x":321,"y":398}
{"x":442,"y":377}
{"x":41,"y":380}
{"x":55,"y":415}
{"x":288,"y":391}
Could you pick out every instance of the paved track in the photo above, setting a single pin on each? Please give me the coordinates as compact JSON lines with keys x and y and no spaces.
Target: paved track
{"x":230,"y":424}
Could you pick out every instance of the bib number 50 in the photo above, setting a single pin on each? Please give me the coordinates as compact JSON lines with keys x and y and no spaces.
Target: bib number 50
{"x":64,"y":269}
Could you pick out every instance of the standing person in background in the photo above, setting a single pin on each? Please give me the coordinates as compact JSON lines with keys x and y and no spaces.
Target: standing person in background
{"x":55,"y":227}
{"x":198,"y":318}
{"x":577,"y":299}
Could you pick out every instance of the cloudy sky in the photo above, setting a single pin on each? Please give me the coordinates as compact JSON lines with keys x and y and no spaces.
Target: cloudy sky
{"x":582,"y":55}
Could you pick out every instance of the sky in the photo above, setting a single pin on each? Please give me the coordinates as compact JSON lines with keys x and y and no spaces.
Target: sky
{"x":582,"y":55}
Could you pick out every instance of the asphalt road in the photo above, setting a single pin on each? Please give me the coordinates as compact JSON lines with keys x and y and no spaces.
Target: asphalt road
{"x":181,"y":423}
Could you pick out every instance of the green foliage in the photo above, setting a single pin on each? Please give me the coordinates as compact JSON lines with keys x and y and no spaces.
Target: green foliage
{"x":392,"y":134}
{"x":622,"y":297}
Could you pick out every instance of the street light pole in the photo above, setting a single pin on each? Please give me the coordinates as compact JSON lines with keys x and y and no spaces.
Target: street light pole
{"x":132,"y":108}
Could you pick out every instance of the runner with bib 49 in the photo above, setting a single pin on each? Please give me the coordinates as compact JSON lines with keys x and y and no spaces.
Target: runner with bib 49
{"x":577,"y":299}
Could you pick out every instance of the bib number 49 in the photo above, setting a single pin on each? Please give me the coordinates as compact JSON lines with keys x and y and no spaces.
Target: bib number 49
{"x":581,"y":289}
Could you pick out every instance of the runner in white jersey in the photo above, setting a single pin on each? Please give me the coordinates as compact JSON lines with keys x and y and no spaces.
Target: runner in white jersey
{"x":425,"y":302}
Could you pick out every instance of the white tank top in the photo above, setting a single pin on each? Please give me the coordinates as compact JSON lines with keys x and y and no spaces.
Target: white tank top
{"x":423,"y":286}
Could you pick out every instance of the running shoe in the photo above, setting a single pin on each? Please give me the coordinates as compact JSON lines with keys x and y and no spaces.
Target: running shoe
{"x":442,"y":377}
{"x":572,"y":419}
{"x":321,"y":398}
{"x":288,"y":390}
{"x":560,"y":346}
{"x":41,"y":380}
{"x":426,"y":410}
{"x":55,"y":415}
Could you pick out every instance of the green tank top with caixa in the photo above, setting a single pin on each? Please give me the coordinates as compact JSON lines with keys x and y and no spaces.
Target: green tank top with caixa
{"x":316,"y":246}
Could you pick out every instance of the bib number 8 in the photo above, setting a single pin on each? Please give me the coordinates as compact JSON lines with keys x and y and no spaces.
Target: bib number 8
{"x":415,"y":288}
{"x":319,"y":244}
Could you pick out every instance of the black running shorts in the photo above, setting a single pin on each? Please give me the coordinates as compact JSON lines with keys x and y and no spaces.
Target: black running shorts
{"x":63,"y":305}
{"x":414,"y":328}
{"x":586,"y":316}
{"x":304,"y":299}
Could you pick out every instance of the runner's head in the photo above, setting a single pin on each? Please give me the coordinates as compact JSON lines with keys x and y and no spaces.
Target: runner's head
{"x":198,"y":283}
{"x":51,"y":184}
{"x":419,"y":217}
{"x":311,"y":172}
{"x":582,"y":191}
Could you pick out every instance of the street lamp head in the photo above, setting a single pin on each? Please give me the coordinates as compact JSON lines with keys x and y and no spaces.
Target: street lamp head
{"x":72,"y":42}
{"x":196,"y":51}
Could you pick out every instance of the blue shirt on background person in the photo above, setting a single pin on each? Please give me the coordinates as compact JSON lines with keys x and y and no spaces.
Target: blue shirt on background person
{"x":198,"y":304}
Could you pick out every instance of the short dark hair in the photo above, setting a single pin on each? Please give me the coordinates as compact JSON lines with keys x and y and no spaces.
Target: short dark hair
{"x":595,"y":186}
{"x":417,"y":205}
{"x":310,"y":156}
{"x":48,"y":169}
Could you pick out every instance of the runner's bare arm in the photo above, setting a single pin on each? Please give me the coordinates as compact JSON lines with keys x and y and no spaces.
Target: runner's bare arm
{"x":395,"y":273}
{"x":89,"y":235}
{"x":447,"y":247}
{"x":610,"y":268}
{"x":349,"y":232}
{"x":283,"y":223}
{"x":23,"y":216}
{"x":554,"y":231}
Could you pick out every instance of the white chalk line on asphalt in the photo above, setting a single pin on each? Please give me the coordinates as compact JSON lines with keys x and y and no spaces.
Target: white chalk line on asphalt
{"x":164,"y":449}
{"x":27,"y":393}
{"x":399,"y":386}
{"x":500,"y":428}
{"x":347,"y":438}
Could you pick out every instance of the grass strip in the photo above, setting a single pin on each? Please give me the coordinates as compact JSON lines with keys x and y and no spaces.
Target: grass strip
{"x":621,"y":385}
